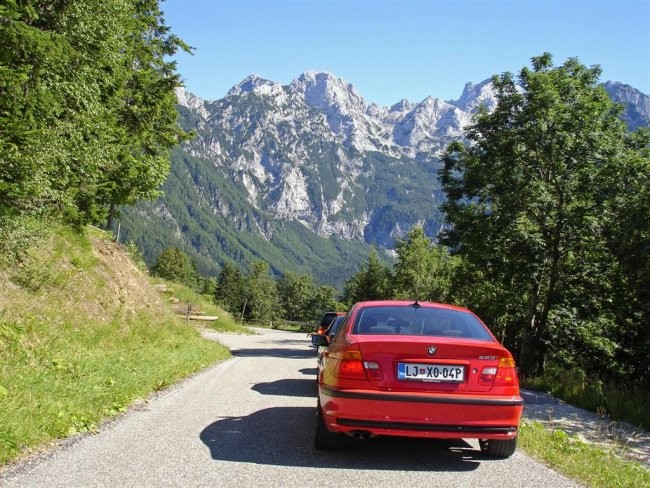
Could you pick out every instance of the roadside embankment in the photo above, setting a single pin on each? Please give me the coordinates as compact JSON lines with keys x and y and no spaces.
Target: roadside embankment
{"x":83,"y":334}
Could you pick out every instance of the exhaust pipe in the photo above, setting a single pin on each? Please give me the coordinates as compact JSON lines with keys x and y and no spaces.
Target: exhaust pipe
{"x":361,"y":434}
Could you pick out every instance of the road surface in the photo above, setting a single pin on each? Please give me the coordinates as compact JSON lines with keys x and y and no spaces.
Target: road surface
{"x":249,"y":422}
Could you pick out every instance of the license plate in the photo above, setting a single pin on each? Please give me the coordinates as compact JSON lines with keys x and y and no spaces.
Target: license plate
{"x":430,"y":372}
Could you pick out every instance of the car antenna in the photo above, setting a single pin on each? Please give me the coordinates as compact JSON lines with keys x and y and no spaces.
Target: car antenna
{"x":416,"y":304}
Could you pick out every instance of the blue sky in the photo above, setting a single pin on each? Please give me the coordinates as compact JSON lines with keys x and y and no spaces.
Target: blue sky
{"x":394,"y":49}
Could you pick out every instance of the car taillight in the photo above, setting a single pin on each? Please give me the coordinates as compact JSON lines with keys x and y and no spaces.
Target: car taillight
{"x":507,"y":374}
{"x":373,"y":370}
{"x":352,"y":366}
{"x":487,"y":376}
{"x":503,"y":375}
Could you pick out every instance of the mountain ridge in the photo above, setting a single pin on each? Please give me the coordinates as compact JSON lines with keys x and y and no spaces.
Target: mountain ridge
{"x":315,"y":153}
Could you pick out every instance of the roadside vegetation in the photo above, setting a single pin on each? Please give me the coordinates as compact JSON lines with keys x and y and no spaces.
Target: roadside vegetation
{"x":579,"y":460}
{"x":87,"y":107}
{"x":83,"y":334}
{"x":181,"y":298}
{"x":619,"y":402}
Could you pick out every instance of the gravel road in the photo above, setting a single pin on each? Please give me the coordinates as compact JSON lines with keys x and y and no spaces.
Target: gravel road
{"x":249,"y":422}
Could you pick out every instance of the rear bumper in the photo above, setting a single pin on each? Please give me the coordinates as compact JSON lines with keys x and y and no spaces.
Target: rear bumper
{"x":421,"y":415}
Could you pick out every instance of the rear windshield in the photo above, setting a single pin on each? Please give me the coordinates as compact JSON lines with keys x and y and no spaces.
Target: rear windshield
{"x":419,"y":321}
{"x":328,"y":318}
{"x":334,"y":326}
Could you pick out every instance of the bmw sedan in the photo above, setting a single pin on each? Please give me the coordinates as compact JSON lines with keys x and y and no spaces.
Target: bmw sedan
{"x":417,"y":369}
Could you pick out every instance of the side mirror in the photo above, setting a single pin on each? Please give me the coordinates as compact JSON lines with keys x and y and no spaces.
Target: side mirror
{"x":320,"y":340}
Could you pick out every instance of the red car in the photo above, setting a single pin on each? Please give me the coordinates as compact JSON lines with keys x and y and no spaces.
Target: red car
{"x":417,"y":369}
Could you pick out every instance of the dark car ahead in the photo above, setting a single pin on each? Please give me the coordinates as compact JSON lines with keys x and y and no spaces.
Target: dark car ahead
{"x":329,"y":333}
{"x":403,"y":368}
{"x":326,"y":320}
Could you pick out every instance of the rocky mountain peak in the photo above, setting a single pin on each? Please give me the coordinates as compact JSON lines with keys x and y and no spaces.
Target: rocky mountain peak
{"x":275,"y":169}
{"x":325,"y":91}
{"x":623,"y":89}
{"x":431,"y":102}
{"x":256,"y":84}
{"x":636,"y":103}
{"x":474,"y":96}
{"x":402,"y":106}
{"x":191,"y":101}
{"x":345,"y":109}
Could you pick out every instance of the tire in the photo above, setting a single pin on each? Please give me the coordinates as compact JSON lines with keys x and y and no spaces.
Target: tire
{"x":498,"y":449}
{"x":324,"y":439}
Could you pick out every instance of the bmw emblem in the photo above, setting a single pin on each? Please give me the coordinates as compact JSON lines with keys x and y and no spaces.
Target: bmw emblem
{"x":431,"y":350}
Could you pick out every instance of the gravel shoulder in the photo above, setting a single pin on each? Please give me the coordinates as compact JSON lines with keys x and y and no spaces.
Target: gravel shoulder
{"x":624,"y":439}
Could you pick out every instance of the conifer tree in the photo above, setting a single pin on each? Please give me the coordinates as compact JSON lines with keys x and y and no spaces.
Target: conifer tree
{"x":87,"y":106}
{"x":261,"y":295}
{"x":296,"y":294}
{"x":230,"y":289}
{"x":371,"y":282}
{"x":174,"y":265}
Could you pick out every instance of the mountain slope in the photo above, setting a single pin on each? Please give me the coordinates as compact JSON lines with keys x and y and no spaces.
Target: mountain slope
{"x":635,"y":103}
{"x":296,"y":174}
{"x":232,"y":230}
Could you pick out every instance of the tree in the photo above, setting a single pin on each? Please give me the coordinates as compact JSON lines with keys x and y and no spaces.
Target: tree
{"x":146,"y":113}
{"x":423,"y":271}
{"x":261,"y":295}
{"x":174,"y":265}
{"x":230,"y":289}
{"x":87,"y":106}
{"x":524,"y":213}
{"x":371,"y":282}
{"x":207,"y":285}
{"x":302,"y":300}
{"x":626,"y":186}
{"x":323,"y":300}
{"x":296,"y":294}
{"x":55,"y":125}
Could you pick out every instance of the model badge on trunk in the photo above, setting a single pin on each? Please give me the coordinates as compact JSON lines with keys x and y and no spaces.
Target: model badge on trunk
{"x":431,"y":350}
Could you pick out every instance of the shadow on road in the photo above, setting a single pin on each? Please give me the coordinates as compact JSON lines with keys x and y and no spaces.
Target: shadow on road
{"x":275,"y":353}
{"x":288,"y":387}
{"x":283,"y":436}
{"x":309,"y":371}
{"x":295,"y":342}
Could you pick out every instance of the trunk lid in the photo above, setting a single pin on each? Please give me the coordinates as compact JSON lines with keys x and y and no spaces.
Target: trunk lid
{"x":416,"y":363}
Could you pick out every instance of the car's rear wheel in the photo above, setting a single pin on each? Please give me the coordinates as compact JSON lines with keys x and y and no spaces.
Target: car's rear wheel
{"x":324,"y":439}
{"x":496,"y":448}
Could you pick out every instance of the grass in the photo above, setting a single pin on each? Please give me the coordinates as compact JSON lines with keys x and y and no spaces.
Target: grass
{"x":586,"y":463}
{"x":59,"y":379}
{"x":83,"y":334}
{"x":291,"y":326}
{"x":181,"y":296}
